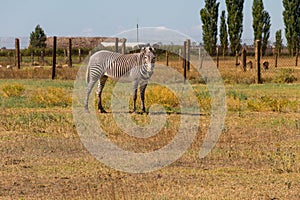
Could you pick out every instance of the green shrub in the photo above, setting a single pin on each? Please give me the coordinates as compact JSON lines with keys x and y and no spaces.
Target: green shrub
{"x":52,"y":97}
{"x":236,"y":95}
{"x":275,"y":104}
{"x":285,"y":76}
{"x":13,"y":90}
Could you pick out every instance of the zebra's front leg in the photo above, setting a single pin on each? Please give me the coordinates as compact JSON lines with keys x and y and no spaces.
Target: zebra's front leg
{"x":142,"y":94}
{"x":101,"y":85}
{"x":134,"y":94}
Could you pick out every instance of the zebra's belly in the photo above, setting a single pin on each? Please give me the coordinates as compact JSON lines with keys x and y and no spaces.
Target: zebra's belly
{"x":124,"y":78}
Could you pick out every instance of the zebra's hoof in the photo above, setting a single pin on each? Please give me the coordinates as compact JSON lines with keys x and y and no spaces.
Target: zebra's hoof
{"x":102,"y":111}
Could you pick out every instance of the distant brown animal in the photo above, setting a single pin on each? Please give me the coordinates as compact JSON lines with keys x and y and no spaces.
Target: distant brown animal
{"x":266,"y":65}
{"x":249,"y":64}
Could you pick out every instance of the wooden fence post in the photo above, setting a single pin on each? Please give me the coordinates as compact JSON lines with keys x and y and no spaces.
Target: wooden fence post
{"x":257,"y":56}
{"x":167,"y":58}
{"x":124,"y":46}
{"x":237,"y":58}
{"x":32,"y":57}
{"x":218,"y":59}
{"x":276,"y":59}
{"x":184,"y":60}
{"x":70,"y":53}
{"x":65,"y":56}
{"x":117,"y":45}
{"x":9,"y":57}
{"x":188,"y":53}
{"x":79,"y":55}
{"x":244,"y":59}
{"x":42,"y":58}
{"x":54,"y":57}
{"x":17,"y":53}
{"x":201,"y":57}
{"x":297,"y":55}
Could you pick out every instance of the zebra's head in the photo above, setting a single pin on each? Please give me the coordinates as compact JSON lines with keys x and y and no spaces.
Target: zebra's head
{"x":148,"y":58}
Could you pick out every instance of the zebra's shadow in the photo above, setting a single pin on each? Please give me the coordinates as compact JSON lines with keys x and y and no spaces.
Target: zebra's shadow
{"x":154,"y":113}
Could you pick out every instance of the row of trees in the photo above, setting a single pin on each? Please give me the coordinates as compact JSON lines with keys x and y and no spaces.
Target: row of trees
{"x":231,"y":27}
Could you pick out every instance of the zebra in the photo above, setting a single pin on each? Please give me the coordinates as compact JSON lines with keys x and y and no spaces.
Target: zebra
{"x":138,"y":67}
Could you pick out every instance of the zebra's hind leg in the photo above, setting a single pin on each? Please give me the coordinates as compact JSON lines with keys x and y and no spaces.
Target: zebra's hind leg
{"x":89,"y":89}
{"x":142,"y":93}
{"x":101,"y":85}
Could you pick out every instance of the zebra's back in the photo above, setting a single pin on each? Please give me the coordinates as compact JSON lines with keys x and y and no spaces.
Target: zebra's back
{"x":114,"y":65}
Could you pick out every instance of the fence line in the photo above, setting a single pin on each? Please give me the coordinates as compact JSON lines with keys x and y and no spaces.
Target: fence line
{"x":244,"y":65}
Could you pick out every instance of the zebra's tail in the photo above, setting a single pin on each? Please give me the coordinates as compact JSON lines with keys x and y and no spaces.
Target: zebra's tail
{"x":87,"y":75}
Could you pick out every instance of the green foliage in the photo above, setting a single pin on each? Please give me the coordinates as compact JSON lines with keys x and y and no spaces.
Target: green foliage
{"x":235,"y":23}
{"x":278,"y":45}
{"x":268,"y":103}
{"x":265,"y":31}
{"x":209,"y":18}
{"x":285,"y":76}
{"x":261,"y":23}
{"x":223,"y":34}
{"x":51,"y":97}
{"x":236,"y":95}
{"x":163,"y":96}
{"x":291,"y":15}
{"x":36,"y":121}
{"x":13,"y":90}
{"x":283,"y":160}
{"x":257,"y":18}
{"x":38,"y":38}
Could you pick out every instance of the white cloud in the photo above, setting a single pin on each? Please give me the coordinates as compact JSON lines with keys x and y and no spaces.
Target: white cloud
{"x":161,"y":28}
{"x":87,"y":32}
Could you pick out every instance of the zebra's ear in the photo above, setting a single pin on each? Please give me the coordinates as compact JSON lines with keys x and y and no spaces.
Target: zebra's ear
{"x":152,"y":49}
{"x":143,"y":50}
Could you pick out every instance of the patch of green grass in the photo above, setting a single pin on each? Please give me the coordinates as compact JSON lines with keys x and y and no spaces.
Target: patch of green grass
{"x":51,"y":96}
{"x":13,"y":90}
{"x":36,"y":122}
{"x":255,"y":157}
{"x":35,"y":93}
{"x":268,"y":103}
{"x":284,"y":160}
{"x":285,"y":76}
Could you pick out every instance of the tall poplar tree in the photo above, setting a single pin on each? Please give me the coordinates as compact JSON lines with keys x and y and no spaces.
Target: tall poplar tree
{"x":257,"y":19}
{"x":223,"y":34}
{"x":278,"y":44}
{"x":291,"y":18}
{"x":261,"y":23}
{"x":265,"y":31}
{"x":209,"y":17}
{"x":235,"y":23}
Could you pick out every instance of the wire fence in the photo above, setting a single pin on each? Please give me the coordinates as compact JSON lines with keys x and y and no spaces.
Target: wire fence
{"x":281,"y":68}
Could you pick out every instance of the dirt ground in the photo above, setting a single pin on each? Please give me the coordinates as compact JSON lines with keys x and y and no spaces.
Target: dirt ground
{"x":256,"y":157}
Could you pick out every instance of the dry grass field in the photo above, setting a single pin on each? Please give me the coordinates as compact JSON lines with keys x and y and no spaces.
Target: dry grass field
{"x":256,"y":157}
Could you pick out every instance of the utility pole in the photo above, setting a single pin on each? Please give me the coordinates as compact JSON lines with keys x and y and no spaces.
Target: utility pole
{"x":137,"y":33}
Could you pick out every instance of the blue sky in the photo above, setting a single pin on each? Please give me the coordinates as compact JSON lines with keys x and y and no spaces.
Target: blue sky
{"x":109,"y":17}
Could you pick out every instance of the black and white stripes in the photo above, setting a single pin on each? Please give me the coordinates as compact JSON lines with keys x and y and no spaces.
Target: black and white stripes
{"x":137,"y":67}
